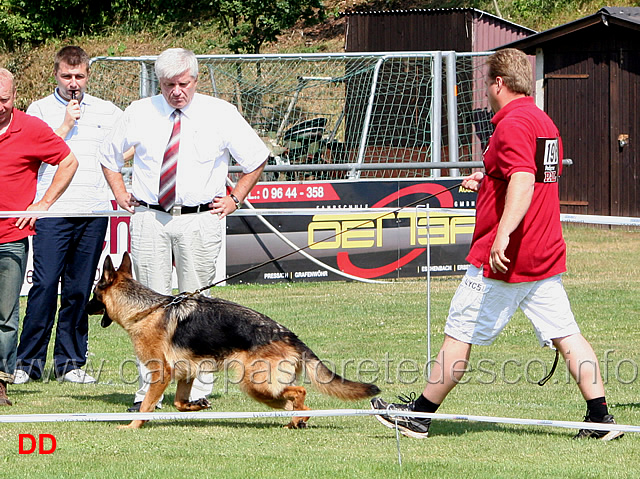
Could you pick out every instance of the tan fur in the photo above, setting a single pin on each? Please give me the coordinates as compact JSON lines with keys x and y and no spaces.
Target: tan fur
{"x":267,"y":371}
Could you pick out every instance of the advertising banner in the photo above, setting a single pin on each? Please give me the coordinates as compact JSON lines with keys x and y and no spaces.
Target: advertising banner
{"x":368,"y":245}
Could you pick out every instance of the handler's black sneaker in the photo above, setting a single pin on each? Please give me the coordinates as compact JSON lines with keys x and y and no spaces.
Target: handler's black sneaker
{"x":417,"y":427}
{"x":602,"y":435}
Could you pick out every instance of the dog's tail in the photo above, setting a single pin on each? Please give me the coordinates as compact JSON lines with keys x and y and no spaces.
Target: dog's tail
{"x":331,"y":383}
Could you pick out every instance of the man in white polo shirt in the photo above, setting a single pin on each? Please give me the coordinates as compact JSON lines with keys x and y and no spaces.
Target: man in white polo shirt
{"x":67,"y":250}
{"x":183,"y":144}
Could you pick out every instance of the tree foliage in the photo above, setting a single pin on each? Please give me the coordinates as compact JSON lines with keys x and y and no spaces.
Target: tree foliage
{"x":247,"y":23}
{"x":34,"y":21}
{"x":251,"y":23}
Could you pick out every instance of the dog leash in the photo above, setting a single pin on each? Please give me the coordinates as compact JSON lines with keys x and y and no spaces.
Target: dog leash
{"x":544,"y":380}
{"x":273,"y":260}
{"x":178,"y":298}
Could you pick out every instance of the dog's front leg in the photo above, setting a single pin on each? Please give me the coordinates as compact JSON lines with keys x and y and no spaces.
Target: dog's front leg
{"x":160,"y":379}
{"x":182,"y":402}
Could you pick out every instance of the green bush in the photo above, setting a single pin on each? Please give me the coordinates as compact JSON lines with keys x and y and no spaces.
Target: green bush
{"x":249,"y":23}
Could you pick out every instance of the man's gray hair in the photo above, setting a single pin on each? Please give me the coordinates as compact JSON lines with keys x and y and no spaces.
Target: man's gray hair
{"x":175,"y":61}
{"x":7,"y":75}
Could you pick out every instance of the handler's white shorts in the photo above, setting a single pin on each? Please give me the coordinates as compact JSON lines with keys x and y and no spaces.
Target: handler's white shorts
{"x":482,"y":307}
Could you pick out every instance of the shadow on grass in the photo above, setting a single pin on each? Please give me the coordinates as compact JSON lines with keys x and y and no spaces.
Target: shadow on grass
{"x":125,"y":400}
{"x":461,"y":428}
{"x":246,"y":423}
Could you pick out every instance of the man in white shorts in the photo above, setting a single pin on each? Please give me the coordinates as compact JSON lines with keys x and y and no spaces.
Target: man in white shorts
{"x":517,"y":254}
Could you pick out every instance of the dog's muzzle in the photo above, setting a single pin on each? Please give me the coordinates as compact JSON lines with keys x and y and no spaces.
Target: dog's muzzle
{"x":96,"y":307}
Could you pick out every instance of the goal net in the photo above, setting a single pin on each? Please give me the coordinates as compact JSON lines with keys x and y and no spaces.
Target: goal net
{"x":338,"y":115}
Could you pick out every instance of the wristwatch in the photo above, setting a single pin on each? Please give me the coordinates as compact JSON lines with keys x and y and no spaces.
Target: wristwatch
{"x":235,"y":200}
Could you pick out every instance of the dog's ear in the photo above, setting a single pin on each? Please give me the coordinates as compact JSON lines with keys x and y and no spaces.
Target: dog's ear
{"x":125,"y":266}
{"x":108,"y":271}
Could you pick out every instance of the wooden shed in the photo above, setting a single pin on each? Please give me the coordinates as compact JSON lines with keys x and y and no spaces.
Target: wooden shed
{"x":588,"y":81}
{"x":457,"y":29}
{"x":405,"y":107}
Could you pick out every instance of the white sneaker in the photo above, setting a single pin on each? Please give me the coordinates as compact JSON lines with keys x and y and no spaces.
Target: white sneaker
{"x":77,"y":376}
{"x":20,"y":377}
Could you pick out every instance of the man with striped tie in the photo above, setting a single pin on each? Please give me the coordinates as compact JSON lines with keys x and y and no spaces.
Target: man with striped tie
{"x":183,"y":142}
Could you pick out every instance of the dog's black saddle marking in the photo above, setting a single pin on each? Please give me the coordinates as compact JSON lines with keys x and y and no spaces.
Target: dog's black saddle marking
{"x":216,"y":327}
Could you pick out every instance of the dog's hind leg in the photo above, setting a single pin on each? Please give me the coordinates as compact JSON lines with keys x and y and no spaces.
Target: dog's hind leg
{"x":295,"y":396}
{"x":182,"y":402}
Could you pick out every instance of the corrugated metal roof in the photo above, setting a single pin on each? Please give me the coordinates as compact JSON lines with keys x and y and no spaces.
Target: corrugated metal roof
{"x":628,"y":17}
{"x":476,"y":12}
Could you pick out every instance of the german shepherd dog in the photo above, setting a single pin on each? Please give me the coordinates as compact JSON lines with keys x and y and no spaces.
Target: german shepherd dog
{"x":178,"y":334}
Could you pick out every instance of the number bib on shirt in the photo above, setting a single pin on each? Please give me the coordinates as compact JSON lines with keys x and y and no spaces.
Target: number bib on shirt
{"x":547,"y":160}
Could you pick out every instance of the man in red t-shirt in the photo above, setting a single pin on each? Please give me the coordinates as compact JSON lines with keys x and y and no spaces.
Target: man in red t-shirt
{"x":25,"y":142}
{"x":517,"y":254}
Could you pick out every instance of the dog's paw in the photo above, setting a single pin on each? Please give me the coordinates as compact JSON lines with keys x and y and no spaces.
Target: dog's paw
{"x":202,"y":403}
{"x":296,"y":425}
{"x":198,"y":405}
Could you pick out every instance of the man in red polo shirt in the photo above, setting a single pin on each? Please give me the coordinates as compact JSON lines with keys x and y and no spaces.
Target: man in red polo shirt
{"x":517,"y":254}
{"x":25,"y":142}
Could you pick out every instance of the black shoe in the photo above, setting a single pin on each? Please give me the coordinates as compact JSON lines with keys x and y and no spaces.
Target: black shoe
{"x":136,"y":407}
{"x":602,"y":435}
{"x":417,"y":427}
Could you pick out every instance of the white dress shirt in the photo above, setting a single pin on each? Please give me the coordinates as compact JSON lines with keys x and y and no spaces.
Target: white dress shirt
{"x":88,"y":190}
{"x":211,"y":131}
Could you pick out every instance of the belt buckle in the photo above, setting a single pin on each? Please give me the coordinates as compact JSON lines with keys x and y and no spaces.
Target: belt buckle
{"x":176,"y":210}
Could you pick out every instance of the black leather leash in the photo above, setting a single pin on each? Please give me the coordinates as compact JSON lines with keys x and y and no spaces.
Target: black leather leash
{"x":544,"y":380}
{"x":181,"y":296}
{"x":273,"y":260}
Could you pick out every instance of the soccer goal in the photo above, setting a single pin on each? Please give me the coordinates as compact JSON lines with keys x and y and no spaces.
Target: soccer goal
{"x":334,"y":116}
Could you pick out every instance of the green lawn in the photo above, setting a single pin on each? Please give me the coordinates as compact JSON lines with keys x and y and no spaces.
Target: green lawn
{"x":371,"y":332}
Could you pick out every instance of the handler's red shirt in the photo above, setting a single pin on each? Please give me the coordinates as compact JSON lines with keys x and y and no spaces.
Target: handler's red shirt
{"x":536,"y":248}
{"x":23,"y":147}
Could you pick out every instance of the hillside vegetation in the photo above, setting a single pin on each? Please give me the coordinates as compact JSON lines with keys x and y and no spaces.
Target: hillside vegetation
{"x":33,"y":65}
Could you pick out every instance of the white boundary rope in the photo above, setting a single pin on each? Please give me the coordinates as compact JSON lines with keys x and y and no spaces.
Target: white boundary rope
{"x":567,"y":218}
{"x":200,"y":415}
{"x":601,"y":220}
{"x":178,"y":416}
{"x":62,"y":214}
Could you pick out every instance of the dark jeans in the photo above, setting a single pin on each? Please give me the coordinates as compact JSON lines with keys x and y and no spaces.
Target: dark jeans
{"x":13,"y":263}
{"x":65,"y":250}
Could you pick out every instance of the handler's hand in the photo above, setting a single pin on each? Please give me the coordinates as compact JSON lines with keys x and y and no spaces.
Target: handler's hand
{"x":72,"y":114}
{"x":472,"y":182}
{"x":497,"y":260}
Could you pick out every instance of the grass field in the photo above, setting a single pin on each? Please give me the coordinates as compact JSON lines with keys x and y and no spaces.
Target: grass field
{"x":375,"y":333}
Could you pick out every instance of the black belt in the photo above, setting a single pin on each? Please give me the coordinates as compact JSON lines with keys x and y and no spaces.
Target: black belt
{"x":178,"y":210}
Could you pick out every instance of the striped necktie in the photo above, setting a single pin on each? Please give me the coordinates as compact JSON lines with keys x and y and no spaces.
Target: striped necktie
{"x":167,"y":191}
